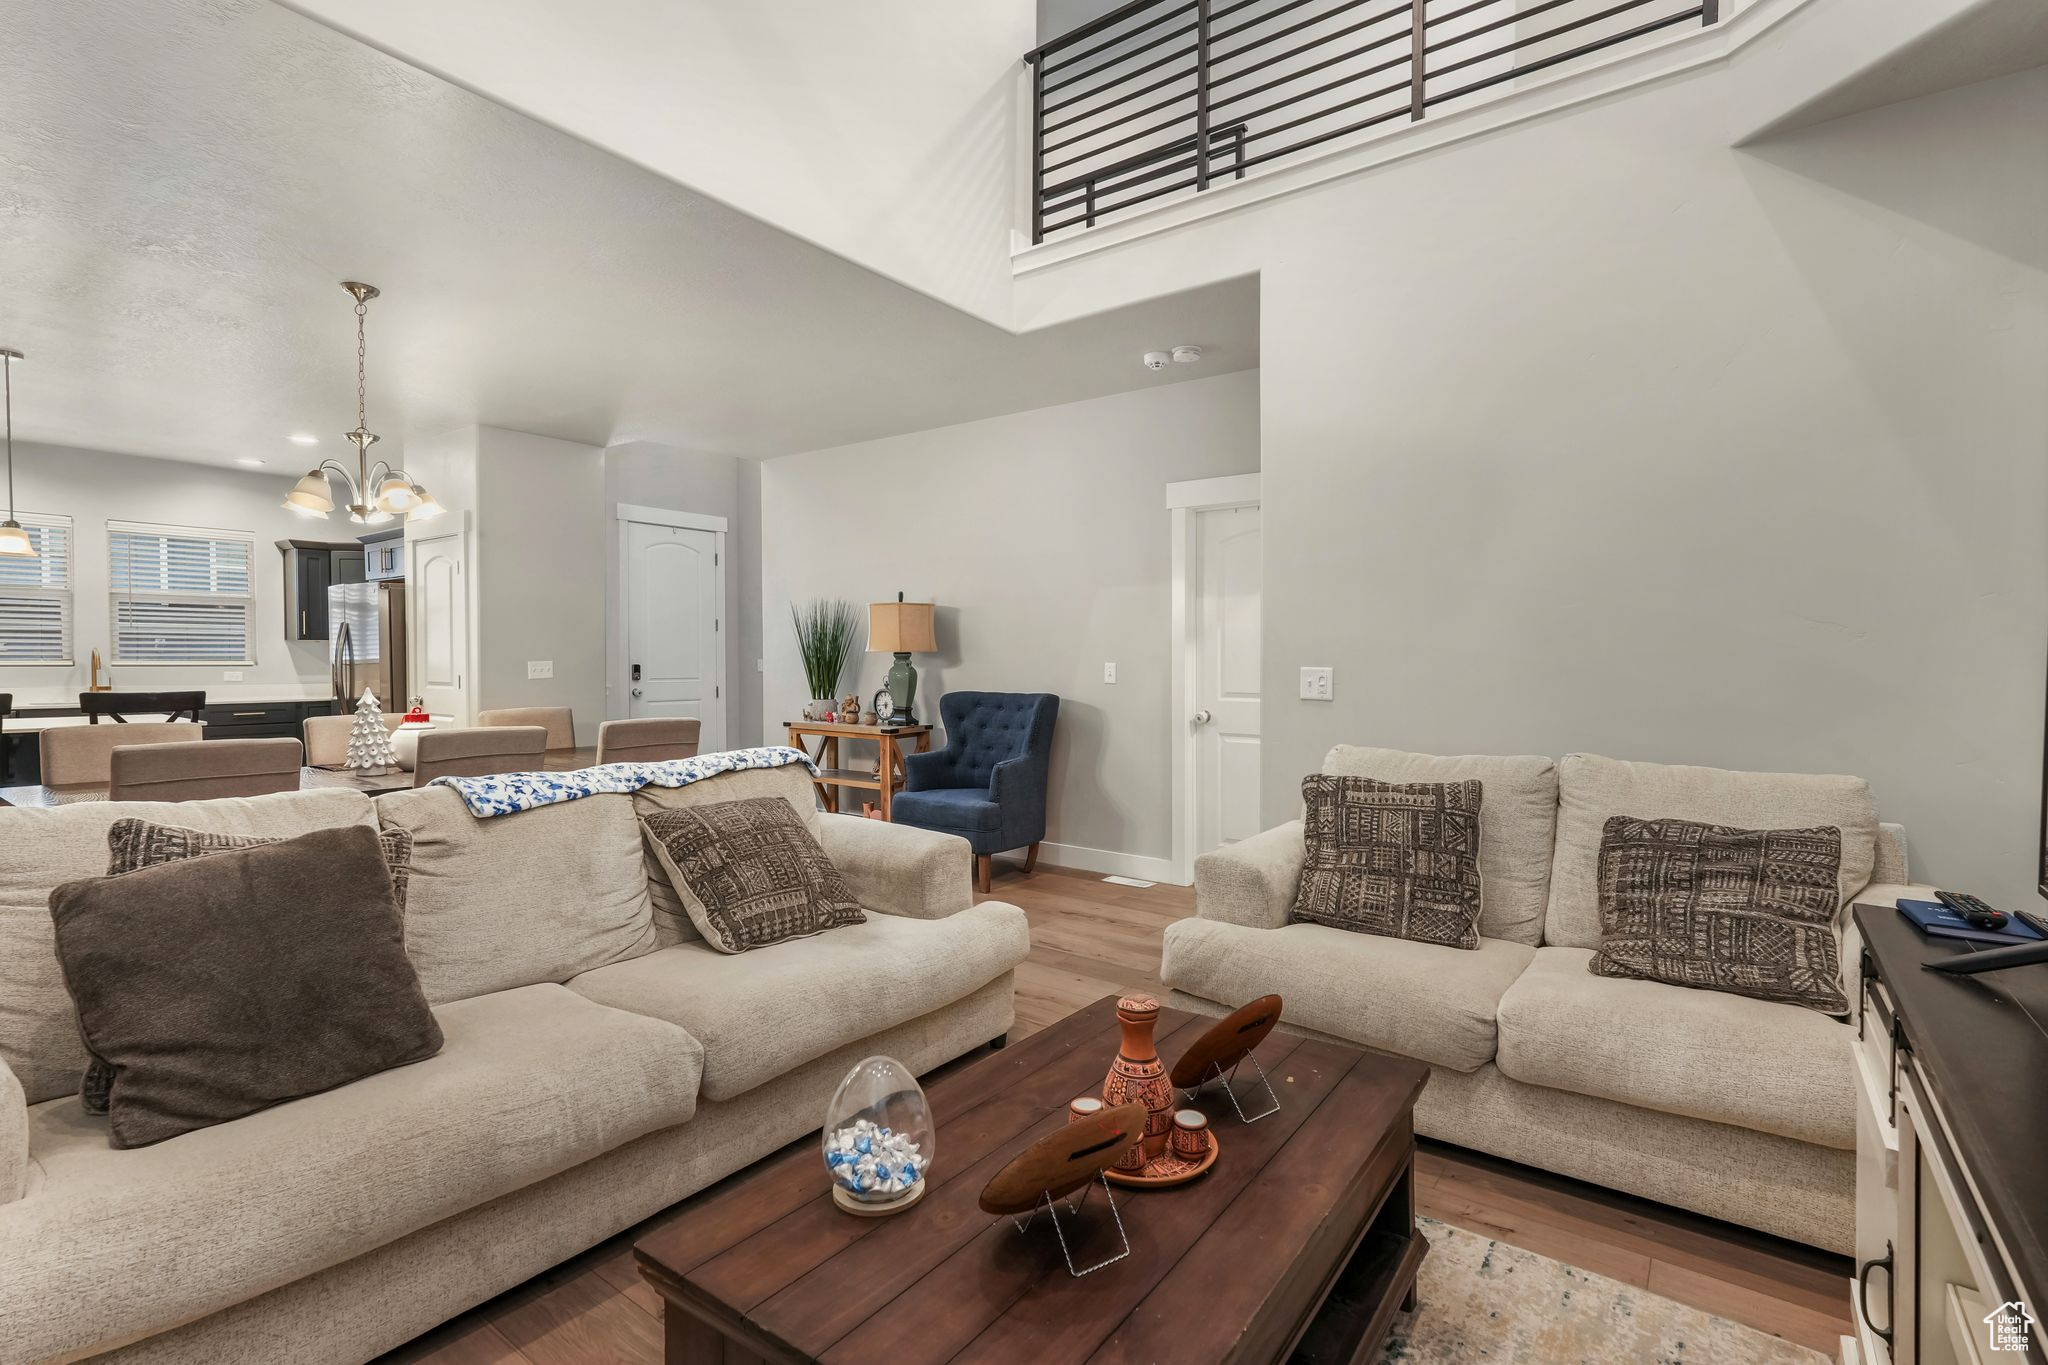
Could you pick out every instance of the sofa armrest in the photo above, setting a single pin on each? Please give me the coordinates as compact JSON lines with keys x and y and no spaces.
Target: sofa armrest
{"x":900,"y":869}
{"x":13,"y":1136}
{"x":1251,"y":882}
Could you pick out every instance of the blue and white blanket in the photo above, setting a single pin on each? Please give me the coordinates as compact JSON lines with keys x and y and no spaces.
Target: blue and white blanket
{"x":508,"y":793}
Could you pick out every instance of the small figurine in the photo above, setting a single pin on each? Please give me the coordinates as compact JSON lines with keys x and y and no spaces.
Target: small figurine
{"x":867,"y":718}
{"x":849,"y":711}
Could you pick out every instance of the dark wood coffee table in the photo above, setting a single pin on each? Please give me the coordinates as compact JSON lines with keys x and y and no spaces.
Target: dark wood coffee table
{"x":1300,"y":1242}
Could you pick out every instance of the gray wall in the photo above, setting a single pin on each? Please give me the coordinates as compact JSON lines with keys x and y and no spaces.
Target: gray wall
{"x":94,"y":486}
{"x":653,"y":475}
{"x":1597,"y":433}
{"x":1043,"y":538}
{"x":539,"y":537}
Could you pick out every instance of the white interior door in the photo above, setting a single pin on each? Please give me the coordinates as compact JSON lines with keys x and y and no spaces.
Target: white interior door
{"x":674,"y":635}
{"x":1229,"y":578}
{"x":437,"y":597}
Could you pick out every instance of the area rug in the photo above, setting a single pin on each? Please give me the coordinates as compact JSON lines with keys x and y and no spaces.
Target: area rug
{"x":1482,"y":1300}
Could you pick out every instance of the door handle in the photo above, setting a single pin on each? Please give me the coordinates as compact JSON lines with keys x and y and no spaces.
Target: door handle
{"x":638,"y":693}
{"x":1883,"y":1263}
{"x":1203,"y":718}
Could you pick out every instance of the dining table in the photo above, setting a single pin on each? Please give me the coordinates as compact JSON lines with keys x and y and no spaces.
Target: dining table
{"x":310,"y":779}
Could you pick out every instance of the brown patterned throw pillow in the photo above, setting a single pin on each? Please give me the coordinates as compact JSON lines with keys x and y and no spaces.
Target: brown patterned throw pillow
{"x":135,"y":844}
{"x":1750,"y":911}
{"x":749,"y":873}
{"x":1393,"y":858}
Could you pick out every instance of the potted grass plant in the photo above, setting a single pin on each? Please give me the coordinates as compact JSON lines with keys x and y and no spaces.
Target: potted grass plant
{"x":825,"y":631}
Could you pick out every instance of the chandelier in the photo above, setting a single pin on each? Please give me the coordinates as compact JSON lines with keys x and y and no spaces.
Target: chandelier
{"x":14,"y":541}
{"x":376,"y":492}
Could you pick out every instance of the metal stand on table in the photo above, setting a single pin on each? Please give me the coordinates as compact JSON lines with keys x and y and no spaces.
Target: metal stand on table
{"x":1216,"y":1073}
{"x":1074,"y":1207}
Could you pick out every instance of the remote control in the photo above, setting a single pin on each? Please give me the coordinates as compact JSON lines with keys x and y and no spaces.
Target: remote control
{"x":2034,"y":922}
{"x":1972,"y":909}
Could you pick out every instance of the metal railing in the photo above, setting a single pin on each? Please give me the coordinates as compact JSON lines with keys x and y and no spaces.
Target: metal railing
{"x":1161,"y":97}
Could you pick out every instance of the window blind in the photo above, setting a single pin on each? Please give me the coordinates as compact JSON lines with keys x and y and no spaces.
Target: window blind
{"x":181,"y":594}
{"x":35,"y":595}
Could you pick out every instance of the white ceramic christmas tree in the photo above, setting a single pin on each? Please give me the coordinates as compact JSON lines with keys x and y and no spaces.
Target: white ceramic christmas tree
{"x":369,"y":743}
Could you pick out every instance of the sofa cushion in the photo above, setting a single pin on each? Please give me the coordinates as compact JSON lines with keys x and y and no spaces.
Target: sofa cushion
{"x":967,"y":810}
{"x":1516,"y":831}
{"x":1590,"y":789}
{"x":530,"y":1083}
{"x":1393,"y":858}
{"x":42,"y":848}
{"x":511,"y":900}
{"x":215,"y":988}
{"x":1748,"y":911}
{"x":1704,"y":1054}
{"x":768,"y":1011}
{"x":749,"y":874}
{"x":791,"y":782}
{"x":1422,"y":1000}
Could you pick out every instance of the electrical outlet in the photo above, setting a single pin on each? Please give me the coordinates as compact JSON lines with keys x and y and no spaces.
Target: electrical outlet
{"x":1318,"y":684}
{"x":231,"y":675}
{"x":1109,"y":673}
{"x":540,"y":668}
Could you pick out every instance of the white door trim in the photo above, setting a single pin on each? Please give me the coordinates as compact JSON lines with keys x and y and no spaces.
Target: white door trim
{"x":617,"y":701}
{"x":1183,"y":500}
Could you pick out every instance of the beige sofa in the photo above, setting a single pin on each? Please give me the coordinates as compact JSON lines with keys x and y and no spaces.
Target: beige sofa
{"x":1719,"y":1103}
{"x":601,"y":1063}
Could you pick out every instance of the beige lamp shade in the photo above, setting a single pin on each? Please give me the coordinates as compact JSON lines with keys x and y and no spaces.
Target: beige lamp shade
{"x":900,"y":628}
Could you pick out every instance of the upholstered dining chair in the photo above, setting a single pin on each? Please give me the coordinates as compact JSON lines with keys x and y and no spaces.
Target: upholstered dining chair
{"x":202,"y":771}
{"x":327,"y":737}
{"x":988,"y":784}
{"x":650,"y":739}
{"x":81,"y":753}
{"x":118,"y":706}
{"x":558,"y":721}
{"x":480,"y":752}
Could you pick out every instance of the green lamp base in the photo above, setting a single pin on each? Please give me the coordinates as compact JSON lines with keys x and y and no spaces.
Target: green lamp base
{"x":902,"y":685}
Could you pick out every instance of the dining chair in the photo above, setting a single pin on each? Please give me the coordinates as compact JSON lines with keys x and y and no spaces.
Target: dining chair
{"x":327,"y":737}
{"x":204,"y":770}
{"x":480,"y":752}
{"x":650,"y":739}
{"x":118,"y":706}
{"x":559,"y":721}
{"x":80,"y":753}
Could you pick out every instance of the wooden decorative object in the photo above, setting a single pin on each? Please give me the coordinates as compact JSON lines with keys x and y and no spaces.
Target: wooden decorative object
{"x":1060,"y":1163}
{"x":1137,"y":1076}
{"x":1229,"y":1042}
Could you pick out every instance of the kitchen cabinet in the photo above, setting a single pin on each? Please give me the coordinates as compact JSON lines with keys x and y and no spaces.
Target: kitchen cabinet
{"x":311,"y":567}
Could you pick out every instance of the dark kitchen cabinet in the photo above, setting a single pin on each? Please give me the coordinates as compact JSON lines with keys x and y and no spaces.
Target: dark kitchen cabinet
{"x":310,"y":569}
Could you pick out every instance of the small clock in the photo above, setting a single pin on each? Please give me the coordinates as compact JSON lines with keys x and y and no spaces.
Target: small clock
{"x":885,"y":705}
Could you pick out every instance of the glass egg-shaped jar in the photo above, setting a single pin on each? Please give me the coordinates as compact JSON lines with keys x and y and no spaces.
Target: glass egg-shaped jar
{"x":878,"y":1138}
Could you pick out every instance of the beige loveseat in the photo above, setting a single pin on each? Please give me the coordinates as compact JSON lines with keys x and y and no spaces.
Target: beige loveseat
{"x":601,"y":1062}
{"x":1719,"y":1103}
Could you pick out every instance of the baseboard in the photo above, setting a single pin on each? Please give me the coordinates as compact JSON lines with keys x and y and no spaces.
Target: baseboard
{"x":1109,"y":862}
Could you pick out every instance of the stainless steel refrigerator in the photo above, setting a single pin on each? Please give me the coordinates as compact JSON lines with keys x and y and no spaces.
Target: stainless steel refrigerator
{"x":366,"y":642}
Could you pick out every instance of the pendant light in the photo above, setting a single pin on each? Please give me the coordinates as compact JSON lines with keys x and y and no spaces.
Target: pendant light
{"x":376,"y":492}
{"x":14,"y":542}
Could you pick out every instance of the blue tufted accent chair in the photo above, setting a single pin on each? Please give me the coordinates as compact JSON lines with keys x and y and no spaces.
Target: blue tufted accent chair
{"x":988,"y":784}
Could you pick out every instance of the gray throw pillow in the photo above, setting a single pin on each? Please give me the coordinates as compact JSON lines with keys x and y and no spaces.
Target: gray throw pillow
{"x":1394,"y":858}
{"x":1749,"y":911}
{"x":135,"y":844}
{"x":219,"y":986}
{"x":748,"y":873}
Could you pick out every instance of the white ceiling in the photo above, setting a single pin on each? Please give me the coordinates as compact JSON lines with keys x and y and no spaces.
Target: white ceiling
{"x":182,"y":185}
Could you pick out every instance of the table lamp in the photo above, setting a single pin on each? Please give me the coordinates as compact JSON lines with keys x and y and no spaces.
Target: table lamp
{"x":903,"y":629}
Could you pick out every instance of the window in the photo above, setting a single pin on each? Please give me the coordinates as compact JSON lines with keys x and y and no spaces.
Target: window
{"x":181,"y":595}
{"x":35,"y":596}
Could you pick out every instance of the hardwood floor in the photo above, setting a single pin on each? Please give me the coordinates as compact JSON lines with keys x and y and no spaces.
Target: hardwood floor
{"x":1090,"y":938}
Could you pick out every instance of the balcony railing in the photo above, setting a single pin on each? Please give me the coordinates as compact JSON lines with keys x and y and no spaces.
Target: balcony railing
{"x":1165,"y":97}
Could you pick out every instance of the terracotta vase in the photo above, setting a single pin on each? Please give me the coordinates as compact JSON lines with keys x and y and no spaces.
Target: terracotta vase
{"x":1137,"y":1076}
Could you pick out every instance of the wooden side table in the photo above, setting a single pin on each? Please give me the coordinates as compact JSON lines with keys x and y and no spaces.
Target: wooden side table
{"x":889,"y":774}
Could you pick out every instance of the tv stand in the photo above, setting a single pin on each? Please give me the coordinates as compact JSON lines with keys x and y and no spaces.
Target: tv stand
{"x":1951,"y":1191}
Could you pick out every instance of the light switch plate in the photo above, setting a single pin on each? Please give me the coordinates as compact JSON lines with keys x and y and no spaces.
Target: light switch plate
{"x":1318,"y":684}
{"x":1109,"y":673}
{"x":540,"y":668}
{"x":231,"y":675}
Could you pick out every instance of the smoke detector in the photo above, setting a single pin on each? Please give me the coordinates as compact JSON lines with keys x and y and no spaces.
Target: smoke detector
{"x":1156,"y":360}
{"x":1186,"y":355}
